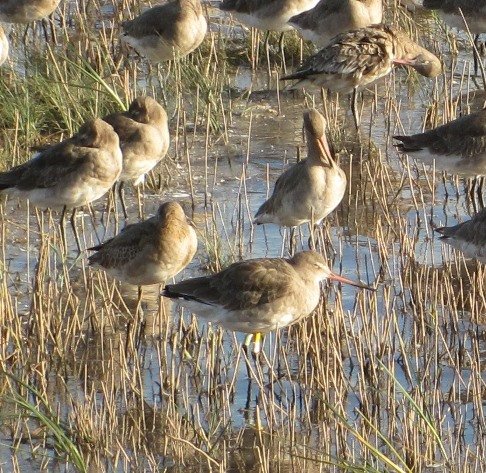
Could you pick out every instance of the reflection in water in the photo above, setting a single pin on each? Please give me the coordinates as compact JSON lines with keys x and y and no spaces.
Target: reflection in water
{"x":169,"y":392}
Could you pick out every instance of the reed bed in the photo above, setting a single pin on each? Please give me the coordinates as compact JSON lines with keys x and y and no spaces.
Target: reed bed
{"x":385,"y":381}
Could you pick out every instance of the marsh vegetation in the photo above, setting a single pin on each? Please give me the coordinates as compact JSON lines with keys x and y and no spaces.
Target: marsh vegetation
{"x":385,"y":381}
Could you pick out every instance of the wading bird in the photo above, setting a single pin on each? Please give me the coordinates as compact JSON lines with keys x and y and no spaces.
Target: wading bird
{"x":332,"y":17}
{"x":357,"y":58}
{"x":149,"y":252}
{"x":70,"y":174}
{"x":312,"y":188}
{"x":258,"y":296}
{"x":144,"y":140}
{"x":167,"y":31}
{"x":453,"y":11}
{"x":468,"y":237}
{"x":25,"y":11}
{"x":458,"y":147}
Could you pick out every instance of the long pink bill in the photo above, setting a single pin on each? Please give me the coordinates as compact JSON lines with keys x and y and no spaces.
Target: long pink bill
{"x":342,"y":279}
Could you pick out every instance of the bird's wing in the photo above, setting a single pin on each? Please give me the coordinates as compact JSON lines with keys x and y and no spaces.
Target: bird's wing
{"x":48,"y":168}
{"x":124,"y":246}
{"x":241,"y":286}
{"x":465,"y":136}
{"x":126,"y":128}
{"x":472,"y":231}
{"x":286,"y":184}
{"x":148,"y":23}
{"x":244,"y":6}
{"x":354,"y":52}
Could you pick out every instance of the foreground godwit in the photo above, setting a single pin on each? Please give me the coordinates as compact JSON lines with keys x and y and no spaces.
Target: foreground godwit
{"x":266,"y":14}
{"x":332,"y":17}
{"x":24,"y":11}
{"x":453,"y":11}
{"x":468,"y":237}
{"x":70,"y":174}
{"x":310,"y":189}
{"x":357,"y":58}
{"x":149,"y":252}
{"x":3,"y":46}
{"x":458,"y":146}
{"x":144,"y":139}
{"x":167,"y":31}
{"x":258,"y":295}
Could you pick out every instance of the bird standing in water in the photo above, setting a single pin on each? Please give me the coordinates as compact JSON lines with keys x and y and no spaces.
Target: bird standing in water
{"x":144,"y":140}
{"x":355,"y":59}
{"x":70,"y":174}
{"x":312,"y":188}
{"x":167,"y":31}
{"x":258,"y":296}
{"x":332,"y":17}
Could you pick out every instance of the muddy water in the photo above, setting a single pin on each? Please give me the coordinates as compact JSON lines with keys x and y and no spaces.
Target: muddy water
{"x":264,"y":137}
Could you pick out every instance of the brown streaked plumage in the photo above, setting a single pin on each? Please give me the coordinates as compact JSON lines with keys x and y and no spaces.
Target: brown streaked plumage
{"x":149,"y":252}
{"x":144,"y":139}
{"x":24,"y":11}
{"x":332,"y":17}
{"x":3,"y":46}
{"x":167,"y":31}
{"x":266,"y":14}
{"x":310,"y":189}
{"x":258,"y":295}
{"x":468,"y":237}
{"x":357,"y":58}
{"x":458,"y":147}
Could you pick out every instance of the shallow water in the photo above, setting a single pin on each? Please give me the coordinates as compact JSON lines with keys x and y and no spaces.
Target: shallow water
{"x":424,"y":323}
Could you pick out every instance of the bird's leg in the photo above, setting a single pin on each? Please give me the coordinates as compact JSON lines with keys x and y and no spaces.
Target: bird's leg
{"x":139,"y":316}
{"x":257,"y":343}
{"x":246,"y":346}
{"x":139,"y":301}
{"x":44,"y":29}
{"x":267,"y":50}
{"x":476,"y":54}
{"x":313,"y":238}
{"x":139,"y":197}
{"x":282,"y":51}
{"x":63,"y":230}
{"x":121,"y":195}
{"x":354,"y":106}
{"x":26,"y":33}
{"x":73,"y":225}
{"x":479,"y":192}
{"x":292,"y":241}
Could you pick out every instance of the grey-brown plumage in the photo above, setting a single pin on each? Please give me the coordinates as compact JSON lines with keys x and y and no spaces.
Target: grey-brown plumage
{"x":266,"y":14}
{"x":260,"y":295}
{"x":167,"y":31}
{"x":458,"y":146}
{"x":24,"y":11}
{"x":455,"y":12}
{"x":72,"y":173}
{"x":468,"y":237}
{"x":144,"y":137}
{"x":149,"y":252}
{"x":474,"y":12}
{"x":332,"y":17}
{"x":310,"y":189}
